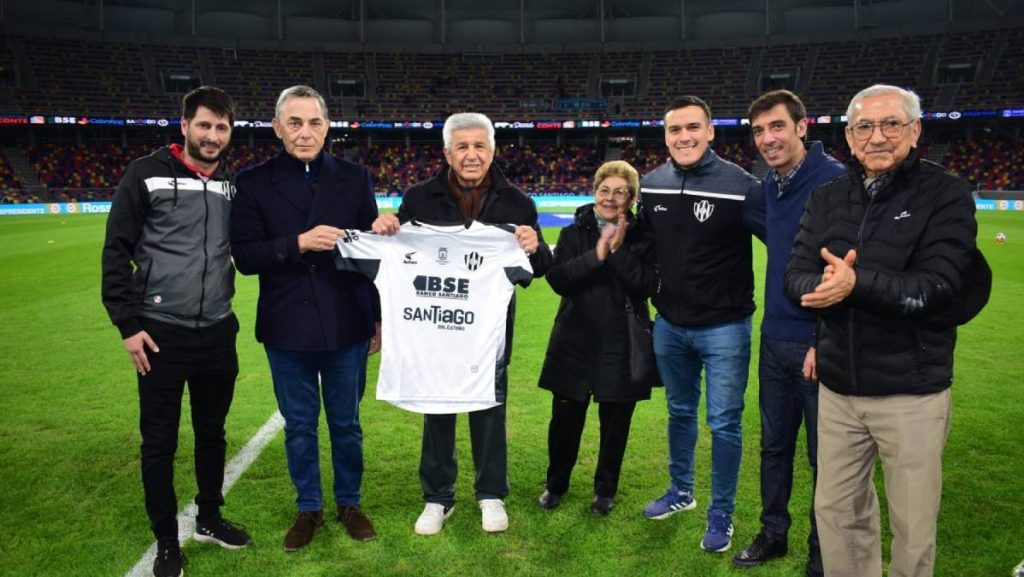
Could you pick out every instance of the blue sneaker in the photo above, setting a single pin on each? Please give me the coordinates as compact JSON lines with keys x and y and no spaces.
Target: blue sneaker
{"x":672,"y":502}
{"x":718,"y":537}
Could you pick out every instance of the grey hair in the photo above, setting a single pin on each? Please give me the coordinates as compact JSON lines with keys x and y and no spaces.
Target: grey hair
{"x":299,"y":91}
{"x":911,"y":101}
{"x":464,"y":121}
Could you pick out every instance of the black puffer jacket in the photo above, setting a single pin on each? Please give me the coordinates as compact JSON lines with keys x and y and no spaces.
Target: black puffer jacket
{"x":914,"y":242}
{"x":588,"y":352}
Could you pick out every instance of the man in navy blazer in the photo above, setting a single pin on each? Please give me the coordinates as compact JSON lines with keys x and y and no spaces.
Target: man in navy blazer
{"x":317,"y":323}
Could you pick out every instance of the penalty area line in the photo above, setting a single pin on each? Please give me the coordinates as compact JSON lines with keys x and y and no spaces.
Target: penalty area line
{"x":232,"y":472}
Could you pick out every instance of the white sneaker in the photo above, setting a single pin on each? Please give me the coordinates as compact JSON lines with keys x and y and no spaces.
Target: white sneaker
{"x":492,"y":512}
{"x":432,"y":519}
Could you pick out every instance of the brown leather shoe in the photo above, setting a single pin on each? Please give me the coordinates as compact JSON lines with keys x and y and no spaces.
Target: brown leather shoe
{"x":356,"y":523}
{"x":303,"y":529}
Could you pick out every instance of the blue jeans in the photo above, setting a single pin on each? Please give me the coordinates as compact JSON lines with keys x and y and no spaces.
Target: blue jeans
{"x":299,"y":377}
{"x":723,"y":353}
{"x":786,"y":400}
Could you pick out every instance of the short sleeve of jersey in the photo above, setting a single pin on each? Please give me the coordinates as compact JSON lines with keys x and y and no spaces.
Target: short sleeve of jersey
{"x":444,"y":295}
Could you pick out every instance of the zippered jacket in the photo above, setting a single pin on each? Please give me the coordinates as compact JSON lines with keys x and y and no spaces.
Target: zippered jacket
{"x":166,"y":255}
{"x":702,"y":246}
{"x":914,"y":241}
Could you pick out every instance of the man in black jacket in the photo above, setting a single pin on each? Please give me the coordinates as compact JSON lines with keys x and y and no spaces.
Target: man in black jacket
{"x":167,"y":285}
{"x":882,"y":252}
{"x":694,"y":203}
{"x":316,"y":323}
{"x":470,"y":187}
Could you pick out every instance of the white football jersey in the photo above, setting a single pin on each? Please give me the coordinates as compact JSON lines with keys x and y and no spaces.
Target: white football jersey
{"x":444,"y":294}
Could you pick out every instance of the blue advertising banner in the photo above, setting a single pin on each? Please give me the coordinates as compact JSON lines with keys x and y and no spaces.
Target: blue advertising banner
{"x":984,"y":204}
{"x":568,"y":202}
{"x":64,"y":208}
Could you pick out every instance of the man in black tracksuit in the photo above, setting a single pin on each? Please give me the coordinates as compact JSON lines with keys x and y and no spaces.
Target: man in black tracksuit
{"x":882,"y":255}
{"x":470,"y":187}
{"x":167,"y":285}
{"x":694,"y":203}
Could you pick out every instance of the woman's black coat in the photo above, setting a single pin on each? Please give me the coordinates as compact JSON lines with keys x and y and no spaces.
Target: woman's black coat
{"x":588,"y":352}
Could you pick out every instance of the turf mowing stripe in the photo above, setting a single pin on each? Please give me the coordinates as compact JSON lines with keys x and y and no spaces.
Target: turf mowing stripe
{"x":232,"y":471}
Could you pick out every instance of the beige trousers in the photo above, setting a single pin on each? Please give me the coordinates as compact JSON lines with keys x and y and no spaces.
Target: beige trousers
{"x":908,"y":433}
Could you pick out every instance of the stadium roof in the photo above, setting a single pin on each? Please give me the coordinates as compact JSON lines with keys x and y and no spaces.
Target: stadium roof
{"x":497,"y":24}
{"x":581,"y":9}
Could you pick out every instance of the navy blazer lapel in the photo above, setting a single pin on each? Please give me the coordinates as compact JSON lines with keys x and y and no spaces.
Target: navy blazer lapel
{"x":330,"y":187}
{"x":287,"y":182}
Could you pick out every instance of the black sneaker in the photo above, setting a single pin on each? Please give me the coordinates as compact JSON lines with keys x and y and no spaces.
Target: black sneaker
{"x":549,"y":500}
{"x":222,"y":532}
{"x":601,"y":506}
{"x":762,"y":549}
{"x":169,"y":558}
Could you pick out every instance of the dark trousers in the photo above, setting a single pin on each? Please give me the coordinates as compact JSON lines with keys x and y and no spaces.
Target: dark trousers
{"x":439,"y":465}
{"x":566,"y":430}
{"x":786,"y":400}
{"x":206,"y":360}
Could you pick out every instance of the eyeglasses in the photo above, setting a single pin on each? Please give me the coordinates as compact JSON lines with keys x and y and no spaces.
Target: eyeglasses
{"x":616,"y":193}
{"x":890,"y":129}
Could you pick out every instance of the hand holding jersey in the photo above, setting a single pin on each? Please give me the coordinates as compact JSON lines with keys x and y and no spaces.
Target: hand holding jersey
{"x":386,"y":223}
{"x":319,"y":238}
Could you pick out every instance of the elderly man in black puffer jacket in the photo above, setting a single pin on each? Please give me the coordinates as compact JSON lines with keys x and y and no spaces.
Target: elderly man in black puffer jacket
{"x":882,"y":255}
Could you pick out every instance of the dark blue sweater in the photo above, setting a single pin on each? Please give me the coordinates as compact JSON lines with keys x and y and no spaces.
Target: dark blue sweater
{"x":784,"y":319}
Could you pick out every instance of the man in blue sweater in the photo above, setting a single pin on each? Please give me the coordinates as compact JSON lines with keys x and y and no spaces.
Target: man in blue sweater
{"x":786,"y":370}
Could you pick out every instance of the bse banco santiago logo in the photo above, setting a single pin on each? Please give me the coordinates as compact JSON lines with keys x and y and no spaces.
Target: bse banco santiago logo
{"x":702,"y":210}
{"x":448,"y":287}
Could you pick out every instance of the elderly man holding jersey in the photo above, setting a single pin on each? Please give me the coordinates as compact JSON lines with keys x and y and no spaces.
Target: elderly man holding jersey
{"x":470,"y":187}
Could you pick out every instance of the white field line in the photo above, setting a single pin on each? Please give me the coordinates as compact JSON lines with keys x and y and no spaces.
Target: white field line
{"x":232,"y":471}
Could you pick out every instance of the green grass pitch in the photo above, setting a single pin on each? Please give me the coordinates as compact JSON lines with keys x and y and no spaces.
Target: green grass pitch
{"x":71,"y":497}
